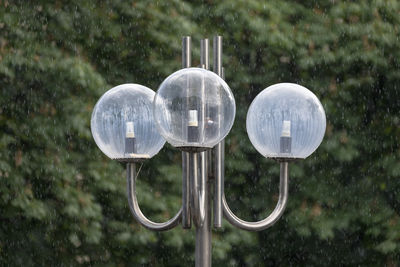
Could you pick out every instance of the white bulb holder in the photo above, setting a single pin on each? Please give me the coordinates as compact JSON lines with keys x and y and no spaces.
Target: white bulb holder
{"x":286,"y":121}
{"x":194,"y":109}
{"x":122,"y":124}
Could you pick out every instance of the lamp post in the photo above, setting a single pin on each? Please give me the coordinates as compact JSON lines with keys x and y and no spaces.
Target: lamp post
{"x":194,"y":110}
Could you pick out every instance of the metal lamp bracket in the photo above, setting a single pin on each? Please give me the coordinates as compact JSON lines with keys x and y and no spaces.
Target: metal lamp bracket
{"x":199,"y":171}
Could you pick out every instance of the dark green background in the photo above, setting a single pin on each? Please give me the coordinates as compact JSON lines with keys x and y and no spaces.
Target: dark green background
{"x":63,"y":203}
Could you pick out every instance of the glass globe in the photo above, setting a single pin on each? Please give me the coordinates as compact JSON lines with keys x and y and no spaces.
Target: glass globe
{"x":194,"y":109}
{"x":286,"y":121}
{"x":122,"y":123}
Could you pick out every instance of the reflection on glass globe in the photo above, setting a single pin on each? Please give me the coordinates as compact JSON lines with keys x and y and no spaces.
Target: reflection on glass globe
{"x":286,"y":120}
{"x":194,"y":109}
{"x":122,"y":123}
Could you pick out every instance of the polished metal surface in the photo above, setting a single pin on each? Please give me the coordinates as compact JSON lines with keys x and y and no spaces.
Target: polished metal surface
{"x":219,"y":173}
{"x":218,"y":150}
{"x":186,"y":192}
{"x":274,"y":216}
{"x":217,"y":55}
{"x":186,"y":52}
{"x":186,"y":216}
{"x":205,"y":64}
{"x":203,"y":231}
{"x":198,"y":187}
{"x":134,"y":205}
{"x":204,"y":53}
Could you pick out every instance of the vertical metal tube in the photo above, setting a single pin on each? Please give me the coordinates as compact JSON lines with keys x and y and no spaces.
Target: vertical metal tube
{"x":219,"y":171}
{"x":205,"y":63}
{"x":186,"y":218}
{"x":204,"y":54}
{"x":217,"y":55}
{"x":203,"y":231}
{"x":198,"y":187}
{"x":186,"y":52}
{"x":218,"y":150}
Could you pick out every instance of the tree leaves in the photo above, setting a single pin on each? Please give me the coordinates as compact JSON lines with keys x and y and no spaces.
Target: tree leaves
{"x":64,"y":203}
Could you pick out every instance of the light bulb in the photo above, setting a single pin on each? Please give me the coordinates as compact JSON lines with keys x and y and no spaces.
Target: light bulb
{"x":130,"y":132}
{"x":286,"y":121}
{"x":193,"y":121}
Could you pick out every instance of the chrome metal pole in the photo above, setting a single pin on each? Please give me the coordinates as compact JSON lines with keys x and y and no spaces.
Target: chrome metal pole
{"x":217,"y":56}
{"x":203,"y":232}
{"x":204,"y":53}
{"x":200,"y":208}
{"x":203,"y":235}
{"x":186,"y":52}
{"x":218,"y":150}
{"x":186,"y":217}
{"x":198,"y":188}
{"x":204,"y":63}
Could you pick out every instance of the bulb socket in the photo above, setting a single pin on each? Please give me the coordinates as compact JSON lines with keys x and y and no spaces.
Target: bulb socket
{"x":130,"y":145}
{"x":286,"y":144}
{"x":193,"y":134}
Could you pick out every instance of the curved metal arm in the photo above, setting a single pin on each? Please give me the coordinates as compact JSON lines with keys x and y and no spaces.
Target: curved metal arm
{"x":134,"y":205}
{"x":197,"y":176}
{"x":273,"y":217}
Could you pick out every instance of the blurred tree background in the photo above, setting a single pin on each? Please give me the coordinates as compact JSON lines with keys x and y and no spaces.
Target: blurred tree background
{"x":63,"y":203}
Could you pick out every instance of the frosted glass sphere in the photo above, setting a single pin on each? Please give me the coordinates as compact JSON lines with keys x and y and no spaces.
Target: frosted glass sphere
{"x":286,"y":120}
{"x":194,"y":109}
{"x":122,"y":123}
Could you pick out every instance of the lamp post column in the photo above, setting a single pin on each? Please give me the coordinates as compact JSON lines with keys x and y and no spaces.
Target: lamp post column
{"x":186,"y":213}
{"x":203,"y":231}
{"x":219,"y":149}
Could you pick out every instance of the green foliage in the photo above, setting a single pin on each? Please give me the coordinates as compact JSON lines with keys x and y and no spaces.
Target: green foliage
{"x":63,"y":203}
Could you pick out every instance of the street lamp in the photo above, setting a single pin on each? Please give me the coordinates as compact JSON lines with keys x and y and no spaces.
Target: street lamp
{"x":122,"y":124}
{"x":194,"y":110}
{"x":286,"y":121}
